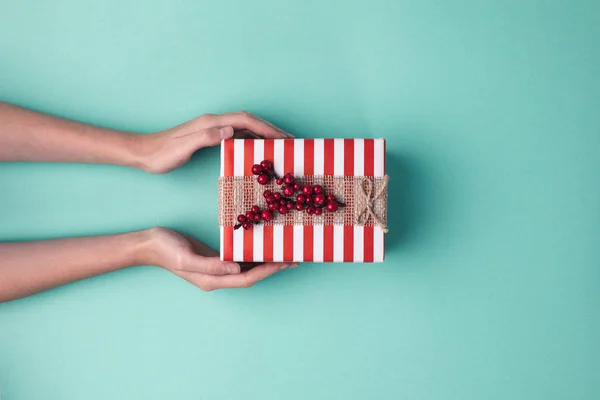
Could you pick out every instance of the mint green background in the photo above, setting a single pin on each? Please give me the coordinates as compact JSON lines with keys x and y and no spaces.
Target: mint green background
{"x":491,"y":285}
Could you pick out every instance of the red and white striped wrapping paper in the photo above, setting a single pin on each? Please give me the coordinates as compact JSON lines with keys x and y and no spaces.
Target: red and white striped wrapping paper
{"x":317,"y":243}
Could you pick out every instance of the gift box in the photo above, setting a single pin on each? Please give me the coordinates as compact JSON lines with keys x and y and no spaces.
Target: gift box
{"x":353,"y":170}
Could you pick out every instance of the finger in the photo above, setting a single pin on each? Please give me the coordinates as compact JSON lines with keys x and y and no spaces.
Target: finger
{"x":199,"y":247}
{"x":208,"y":256}
{"x":244,"y":120}
{"x":211,"y":136}
{"x":247,"y":266}
{"x":209,"y":265}
{"x":289,"y":135}
{"x":246,"y":279}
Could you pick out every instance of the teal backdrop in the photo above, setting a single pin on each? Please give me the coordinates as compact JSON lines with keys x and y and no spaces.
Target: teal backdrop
{"x":490,"y":289}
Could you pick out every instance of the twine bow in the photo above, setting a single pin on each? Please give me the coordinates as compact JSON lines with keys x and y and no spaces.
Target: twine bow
{"x":367,"y":199}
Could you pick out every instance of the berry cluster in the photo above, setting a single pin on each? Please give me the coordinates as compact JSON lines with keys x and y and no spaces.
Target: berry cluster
{"x":265,"y":172}
{"x":312,"y":199}
{"x":254,"y":216}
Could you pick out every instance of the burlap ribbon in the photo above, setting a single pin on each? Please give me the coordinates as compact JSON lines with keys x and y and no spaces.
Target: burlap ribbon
{"x":365,"y":199}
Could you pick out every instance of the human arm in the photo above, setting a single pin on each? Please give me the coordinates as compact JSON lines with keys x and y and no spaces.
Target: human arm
{"x":31,"y":267}
{"x":27,"y":135}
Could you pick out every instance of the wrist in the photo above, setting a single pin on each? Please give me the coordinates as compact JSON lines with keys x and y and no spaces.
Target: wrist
{"x":144,"y":245}
{"x":145,"y":151}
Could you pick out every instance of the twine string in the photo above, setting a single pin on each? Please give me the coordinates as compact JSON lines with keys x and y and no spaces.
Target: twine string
{"x":367,"y":198}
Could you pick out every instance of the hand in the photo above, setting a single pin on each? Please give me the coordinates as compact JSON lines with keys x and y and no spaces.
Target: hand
{"x":200,"y":265}
{"x":167,"y":150}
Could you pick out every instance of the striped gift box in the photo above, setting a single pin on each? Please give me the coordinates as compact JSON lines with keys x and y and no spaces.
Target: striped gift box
{"x":299,"y":242}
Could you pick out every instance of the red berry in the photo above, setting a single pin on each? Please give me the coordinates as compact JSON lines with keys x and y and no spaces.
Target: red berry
{"x":330,"y":197}
{"x":297,"y":186}
{"x":241,"y":218}
{"x":289,"y":205}
{"x":309,"y":200}
{"x":301,"y":198}
{"x":318,"y":211}
{"x":282,"y":210}
{"x":288,"y":191}
{"x":255,"y":209}
{"x":319,"y":199}
{"x":246,"y":225}
{"x":288,"y":179}
{"x":299,"y":206}
{"x":273,"y":206}
{"x":266,"y":164}
{"x":277,"y":195}
{"x":266,"y":215}
{"x":318,"y":189}
{"x":257,"y":169}
{"x":269,"y":199}
{"x":332,"y":206}
{"x":279,"y":181}
{"x":250,"y":215}
{"x":310,"y":210}
{"x":307,"y":190}
{"x":263,"y":179}
{"x":267,"y":193}
{"x":282,"y":202}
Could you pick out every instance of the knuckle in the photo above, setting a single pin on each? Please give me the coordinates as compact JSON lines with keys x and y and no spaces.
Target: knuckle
{"x":215,"y":269}
{"x":248,"y":283}
{"x":205,"y":287}
{"x":206,"y":118}
{"x":245,"y":115}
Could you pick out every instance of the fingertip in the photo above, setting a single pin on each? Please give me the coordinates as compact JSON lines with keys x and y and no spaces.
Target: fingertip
{"x":233,"y":268}
{"x":286,"y":266}
{"x":226,"y":132}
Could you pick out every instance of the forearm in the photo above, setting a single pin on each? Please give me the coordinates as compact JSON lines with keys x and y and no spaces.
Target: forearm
{"x":27,"y":135}
{"x":32,"y":267}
